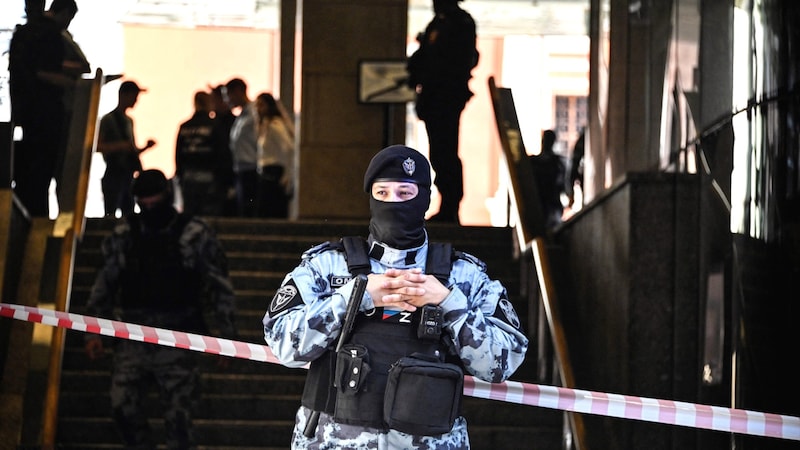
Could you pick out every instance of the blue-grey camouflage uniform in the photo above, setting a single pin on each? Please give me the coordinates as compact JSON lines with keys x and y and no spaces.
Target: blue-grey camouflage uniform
{"x":305,"y":318}
{"x":174,"y":370}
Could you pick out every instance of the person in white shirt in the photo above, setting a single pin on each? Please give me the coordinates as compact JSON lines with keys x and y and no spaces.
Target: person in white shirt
{"x":244,"y":148}
{"x":276,"y":158}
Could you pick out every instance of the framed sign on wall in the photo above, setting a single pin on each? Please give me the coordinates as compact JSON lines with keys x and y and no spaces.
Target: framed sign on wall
{"x":383,"y":81}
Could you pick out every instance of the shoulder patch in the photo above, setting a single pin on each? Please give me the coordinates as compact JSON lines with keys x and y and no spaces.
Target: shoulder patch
{"x":287,"y":297}
{"x":505,"y":312}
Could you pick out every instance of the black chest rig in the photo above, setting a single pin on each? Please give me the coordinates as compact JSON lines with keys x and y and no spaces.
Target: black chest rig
{"x":353,"y":389}
{"x":154,"y":275}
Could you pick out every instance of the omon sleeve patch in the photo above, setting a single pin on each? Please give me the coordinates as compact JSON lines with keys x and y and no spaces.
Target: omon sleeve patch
{"x":287,"y":297}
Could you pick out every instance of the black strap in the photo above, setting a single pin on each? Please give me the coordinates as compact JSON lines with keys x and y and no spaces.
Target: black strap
{"x":439,"y":262}
{"x":134,"y":225}
{"x":355,"y":250}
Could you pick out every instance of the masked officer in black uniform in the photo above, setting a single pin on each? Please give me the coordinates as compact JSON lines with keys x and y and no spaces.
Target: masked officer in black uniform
{"x":198,"y":162}
{"x":421,"y":299}
{"x":440,"y":71}
{"x":168,"y":271}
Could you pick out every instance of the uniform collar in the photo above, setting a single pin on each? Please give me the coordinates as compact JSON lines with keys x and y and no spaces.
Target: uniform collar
{"x":396,"y":258}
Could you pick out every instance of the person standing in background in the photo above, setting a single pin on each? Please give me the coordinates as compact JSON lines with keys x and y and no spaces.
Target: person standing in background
{"x":223,"y":121}
{"x":197,"y":162}
{"x":276,"y":158}
{"x":168,"y":270}
{"x":244,"y":148}
{"x":43,"y":68}
{"x":576,"y":170}
{"x":75,"y":62}
{"x":117,"y":144}
{"x":549,"y":172}
{"x":440,"y":71}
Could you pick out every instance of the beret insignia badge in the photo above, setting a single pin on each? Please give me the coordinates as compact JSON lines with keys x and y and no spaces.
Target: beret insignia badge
{"x":409,"y":166}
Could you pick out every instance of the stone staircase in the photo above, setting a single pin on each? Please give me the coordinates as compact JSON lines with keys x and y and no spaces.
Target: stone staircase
{"x":250,"y":405}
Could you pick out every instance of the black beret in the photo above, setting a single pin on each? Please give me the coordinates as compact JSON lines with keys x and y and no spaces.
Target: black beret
{"x":149,"y":182}
{"x":398,"y":163}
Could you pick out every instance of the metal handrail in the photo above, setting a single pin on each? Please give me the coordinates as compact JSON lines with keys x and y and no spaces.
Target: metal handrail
{"x":68,"y":227}
{"x":528,"y":214}
{"x":550,"y":303}
{"x":532,"y":236}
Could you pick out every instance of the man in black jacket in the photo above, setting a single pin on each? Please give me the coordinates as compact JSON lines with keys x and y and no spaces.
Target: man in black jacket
{"x":42,"y":74}
{"x":440,"y":71}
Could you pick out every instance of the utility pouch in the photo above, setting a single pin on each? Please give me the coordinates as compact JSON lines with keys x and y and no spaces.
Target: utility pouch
{"x":423,"y":395}
{"x":356,"y":397}
{"x":352,"y":368}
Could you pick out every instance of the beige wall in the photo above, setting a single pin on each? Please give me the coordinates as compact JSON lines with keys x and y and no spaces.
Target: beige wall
{"x":173,"y":63}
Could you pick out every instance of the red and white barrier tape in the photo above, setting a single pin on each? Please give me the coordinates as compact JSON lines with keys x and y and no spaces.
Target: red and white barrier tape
{"x":160,"y":336}
{"x":575,"y":400}
{"x":639,"y":408}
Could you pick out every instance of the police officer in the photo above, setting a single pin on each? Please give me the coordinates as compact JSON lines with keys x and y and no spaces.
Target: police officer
{"x":440,"y":71}
{"x":42,"y":74}
{"x":197,"y":161}
{"x":479,"y":329}
{"x":168,"y":270}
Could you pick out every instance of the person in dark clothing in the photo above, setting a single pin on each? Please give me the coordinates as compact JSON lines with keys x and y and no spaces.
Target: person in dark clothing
{"x":440,"y":71}
{"x":549,"y":173}
{"x":576,"y":169}
{"x":223,"y":122}
{"x":168,"y":270}
{"x":197,"y":160}
{"x":42,"y":72}
{"x":117,"y":144}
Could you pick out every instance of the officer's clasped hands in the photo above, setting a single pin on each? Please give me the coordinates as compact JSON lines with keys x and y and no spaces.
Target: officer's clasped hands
{"x":407,"y":289}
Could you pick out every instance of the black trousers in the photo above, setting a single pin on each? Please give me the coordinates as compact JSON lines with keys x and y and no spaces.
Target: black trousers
{"x":442,"y":126}
{"x":272,"y":199}
{"x":38,"y":158}
{"x":247,"y":193}
{"x":116,"y":185}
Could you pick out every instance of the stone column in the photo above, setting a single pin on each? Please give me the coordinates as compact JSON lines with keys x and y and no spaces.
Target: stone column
{"x":338,"y":135}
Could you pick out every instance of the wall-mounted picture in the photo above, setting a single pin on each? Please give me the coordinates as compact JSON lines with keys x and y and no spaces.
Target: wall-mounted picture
{"x":383,"y":81}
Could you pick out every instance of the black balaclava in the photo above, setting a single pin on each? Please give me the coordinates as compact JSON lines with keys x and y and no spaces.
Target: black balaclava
{"x":400,"y":225}
{"x":159,"y":215}
{"x":149,"y":183}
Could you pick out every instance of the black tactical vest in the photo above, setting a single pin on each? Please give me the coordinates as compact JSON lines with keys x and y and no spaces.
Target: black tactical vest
{"x":155,"y":277}
{"x":386,"y":341}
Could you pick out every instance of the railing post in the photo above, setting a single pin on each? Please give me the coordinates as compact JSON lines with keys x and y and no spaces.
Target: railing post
{"x":73,"y":185}
{"x":531,"y":234}
{"x":547,"y":291}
